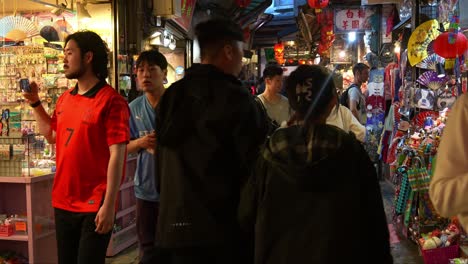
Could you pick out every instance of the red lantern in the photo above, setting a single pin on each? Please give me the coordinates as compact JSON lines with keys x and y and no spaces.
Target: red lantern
{"x":243,"y":3}
{"x":443,"y":48}
{"x":279,"y":47}
{"x":317,"y":3}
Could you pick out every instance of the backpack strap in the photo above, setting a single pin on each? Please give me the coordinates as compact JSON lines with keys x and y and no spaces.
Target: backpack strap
{"x":353,"y":85}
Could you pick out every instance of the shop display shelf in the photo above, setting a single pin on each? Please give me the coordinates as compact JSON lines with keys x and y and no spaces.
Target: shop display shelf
{"x":45,"y":234}
{"x":21,"y":179}
{"x":29,"y":196}
{"x":15,"y":238}
{"x":125,"y":211}
{"x":126,"y":185}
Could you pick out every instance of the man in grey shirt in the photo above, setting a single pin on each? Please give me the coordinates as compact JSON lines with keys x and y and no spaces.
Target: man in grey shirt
{"x":357,"y":100}
{"x":276,"y":105}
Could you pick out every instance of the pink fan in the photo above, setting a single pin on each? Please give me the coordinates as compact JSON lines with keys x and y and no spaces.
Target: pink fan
{"x":430,"y":62}
{"x":430,"y":80}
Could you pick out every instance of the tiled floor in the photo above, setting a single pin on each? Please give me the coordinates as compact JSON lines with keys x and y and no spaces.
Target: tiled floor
{"x":403,"y":251}
{"x":128,"y":256}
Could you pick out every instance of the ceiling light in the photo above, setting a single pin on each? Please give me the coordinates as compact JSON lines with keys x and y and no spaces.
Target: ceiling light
{"x":172,"y":44}
{"x":155,"y":34}
{"x":83,"y":14}
{"x":352,"y":36}
{"x":440,"y":70}
{"x":166,"y":40}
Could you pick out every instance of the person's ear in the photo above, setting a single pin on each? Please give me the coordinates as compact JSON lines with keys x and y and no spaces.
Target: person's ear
{"x":228,"y":51}
{"x":88,"y":57}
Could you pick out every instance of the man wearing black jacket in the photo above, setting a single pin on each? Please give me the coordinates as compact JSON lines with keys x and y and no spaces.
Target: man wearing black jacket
{"x":208,"y":131}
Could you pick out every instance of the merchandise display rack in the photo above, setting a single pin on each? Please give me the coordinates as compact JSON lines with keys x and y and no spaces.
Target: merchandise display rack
{"x":124,"y":234}
{"x":30,"y":196}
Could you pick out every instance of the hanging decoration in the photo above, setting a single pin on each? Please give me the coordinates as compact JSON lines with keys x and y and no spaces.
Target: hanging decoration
{"x":420,"y":39}
{"x":243,"y":3}
{"x":450,"y":51}
{"x":317,"y":4}
{"x":279,"y":52}
{"x":447,"y":50}
{"x":327,"y":36}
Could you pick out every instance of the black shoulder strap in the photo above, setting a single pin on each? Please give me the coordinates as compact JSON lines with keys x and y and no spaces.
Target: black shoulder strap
{"x":259,"y":101}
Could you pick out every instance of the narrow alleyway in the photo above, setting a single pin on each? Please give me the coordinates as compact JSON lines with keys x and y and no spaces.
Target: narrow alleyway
{"x":403,"y":251}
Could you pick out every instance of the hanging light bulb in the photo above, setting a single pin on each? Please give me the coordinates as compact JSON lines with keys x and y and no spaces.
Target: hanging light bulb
{"x":172,"y":44}
{"x":83,"y":13}
{"x":167,"y":39}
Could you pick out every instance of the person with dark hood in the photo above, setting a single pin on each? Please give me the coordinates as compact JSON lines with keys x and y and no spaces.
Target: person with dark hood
{"x":314,"y":196}
{"x":208,"y":131}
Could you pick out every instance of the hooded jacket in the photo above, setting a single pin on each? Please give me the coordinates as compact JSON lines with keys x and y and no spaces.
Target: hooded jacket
{"x":208,"y":132}
{"x":314,"y":198}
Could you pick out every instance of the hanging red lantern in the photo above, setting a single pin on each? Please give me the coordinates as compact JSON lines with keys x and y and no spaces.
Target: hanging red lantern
{"x":279,"y":52}
{"x":447,"y":50}
{"x":317,"y":3}
{"x":243,"y":3}
{"x":279,"y":47}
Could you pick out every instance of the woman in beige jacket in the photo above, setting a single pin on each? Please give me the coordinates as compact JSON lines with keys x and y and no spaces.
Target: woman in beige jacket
{"x":449,"y":184}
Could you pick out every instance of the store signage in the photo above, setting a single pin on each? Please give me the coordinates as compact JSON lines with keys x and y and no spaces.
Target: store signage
{"x":355,"y":19}
{"x":186,"y":12}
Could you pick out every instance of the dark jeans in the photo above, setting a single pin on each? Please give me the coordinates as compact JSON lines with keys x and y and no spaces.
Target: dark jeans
{"x":146,"y":222}
{"x":205,"y":255}
{"x":197,"y":255}
{"x":77,"y":242}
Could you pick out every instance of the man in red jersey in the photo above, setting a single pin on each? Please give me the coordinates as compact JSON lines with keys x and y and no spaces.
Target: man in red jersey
{"x":90,"y":129}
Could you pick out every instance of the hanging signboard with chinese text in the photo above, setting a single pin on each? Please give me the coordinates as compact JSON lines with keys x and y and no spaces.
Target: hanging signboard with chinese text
{"x":186,"y":9}
{"x":356,"y":19}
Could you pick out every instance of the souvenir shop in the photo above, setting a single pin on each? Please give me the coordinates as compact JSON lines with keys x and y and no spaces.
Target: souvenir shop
{"x":32,"y":34}
{"x":424,"y":82}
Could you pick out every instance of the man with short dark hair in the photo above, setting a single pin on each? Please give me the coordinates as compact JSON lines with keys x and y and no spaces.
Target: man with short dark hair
{"x":209,"y":131}
{"x":276,"y":105}
{"x":89,"y":127}
{"x":151,"y":71}
{"x":356,"y":99}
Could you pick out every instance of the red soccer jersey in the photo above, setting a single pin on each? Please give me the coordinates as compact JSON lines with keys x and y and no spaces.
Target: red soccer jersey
{"x":86,"y":126}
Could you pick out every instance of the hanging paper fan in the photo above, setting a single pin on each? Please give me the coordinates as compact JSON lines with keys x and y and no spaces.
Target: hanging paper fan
{"x":420,"y":39}
{"x":430,"y":62}
{"x":419,"y":119}
{"x":430,"y":80}
{"x":17,"y":28}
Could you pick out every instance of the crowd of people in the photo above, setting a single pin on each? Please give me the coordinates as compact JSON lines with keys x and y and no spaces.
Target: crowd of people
{"x":213,"y":183}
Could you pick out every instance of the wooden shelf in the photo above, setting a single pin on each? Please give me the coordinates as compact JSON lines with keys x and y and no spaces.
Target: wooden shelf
{"x":125,"y":211}
{"x":113,"y":250}
{"x":124,"y":230}
{"x":24,"y":179}
{"x":15,"y":238}
{"x":126,"y":185}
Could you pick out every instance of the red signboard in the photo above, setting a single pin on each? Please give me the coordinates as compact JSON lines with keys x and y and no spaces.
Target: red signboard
{"x":186,"y":12}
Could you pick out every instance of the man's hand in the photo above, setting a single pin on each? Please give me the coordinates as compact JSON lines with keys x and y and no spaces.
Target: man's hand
{"x":148,"y":142}
{"x":32,"y":96}
{"x":105,"y":219}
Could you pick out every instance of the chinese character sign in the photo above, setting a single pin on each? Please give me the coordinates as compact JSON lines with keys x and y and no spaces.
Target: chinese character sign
{"x":186,"y":9}
{"x":353,"y":19}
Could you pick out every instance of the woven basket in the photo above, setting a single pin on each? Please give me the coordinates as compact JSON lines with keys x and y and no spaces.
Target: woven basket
{"x":440,"y":255}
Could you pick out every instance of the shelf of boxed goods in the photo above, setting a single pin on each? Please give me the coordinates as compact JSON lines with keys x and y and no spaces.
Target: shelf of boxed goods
{"x":125,"y":227}
{"x":29,"y":197}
